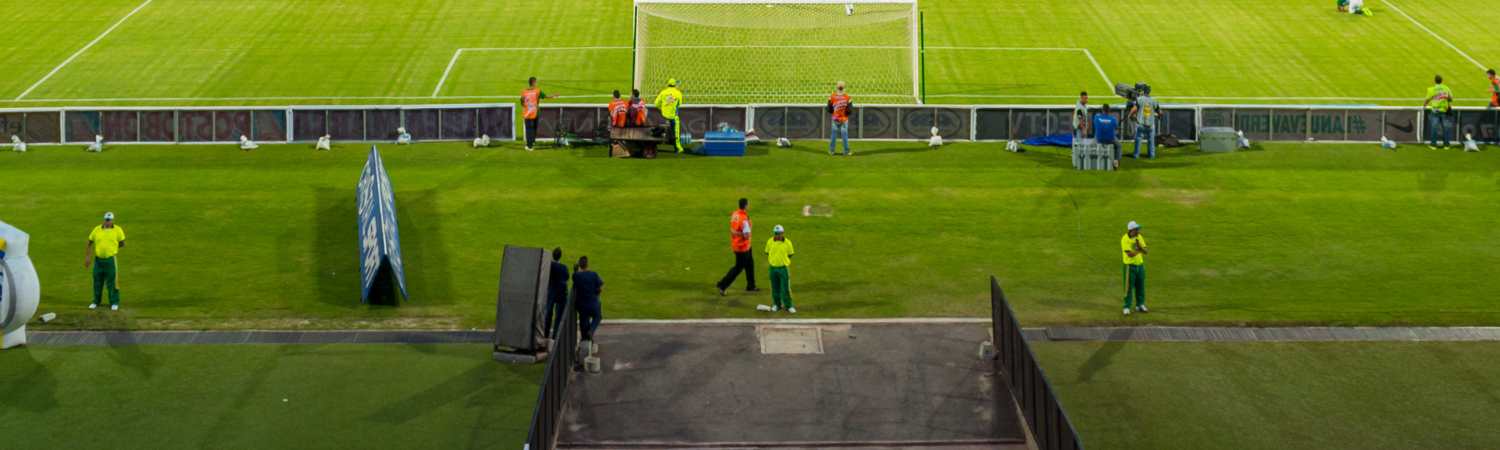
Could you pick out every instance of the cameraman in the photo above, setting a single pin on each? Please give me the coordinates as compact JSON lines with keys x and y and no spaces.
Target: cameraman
{"x":1144,"y":110}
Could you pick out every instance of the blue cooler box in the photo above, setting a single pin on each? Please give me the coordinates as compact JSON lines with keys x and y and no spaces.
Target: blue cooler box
{"x":723,"y":143}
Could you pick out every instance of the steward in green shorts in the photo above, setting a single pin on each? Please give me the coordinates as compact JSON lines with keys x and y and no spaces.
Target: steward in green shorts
{"x":1133,"y":245}
{"x":104,"y":244}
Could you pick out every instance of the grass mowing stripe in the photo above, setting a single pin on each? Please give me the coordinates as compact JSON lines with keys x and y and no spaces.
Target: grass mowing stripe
{"x":1278,"y":395}
{"x":910,"y":234}
{"x":81,"y":50}
{"x":1435,"y":35}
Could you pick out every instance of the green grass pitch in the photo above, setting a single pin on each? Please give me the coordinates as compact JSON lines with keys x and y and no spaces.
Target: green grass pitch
{"x":264,"y":396}
{"x":1290,"y":234}
{"x":1276,"y":396}
{"x":1285,"y":234}
{"x":384,"y":51}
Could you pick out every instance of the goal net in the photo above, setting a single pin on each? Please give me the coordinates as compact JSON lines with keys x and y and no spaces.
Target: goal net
{"x":778,"y":51}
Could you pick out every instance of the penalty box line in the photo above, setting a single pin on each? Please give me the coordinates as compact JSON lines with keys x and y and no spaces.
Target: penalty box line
{"x":80,"y":51}
{"x":1435,"y":35}
{"x":453,"y":61}
{"x":436,"y":91}
{"x":1086,"y":53}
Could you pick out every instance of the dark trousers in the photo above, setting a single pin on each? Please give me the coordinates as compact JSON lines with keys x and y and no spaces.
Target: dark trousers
{"x":743,"y":262}
{"x":530,"y":133}
{"x":589,"y":317}
{"x":555,"y":305}
{"x":1439,"y":124}
{"x":104,"y":277}
{"x":1135,"y":284}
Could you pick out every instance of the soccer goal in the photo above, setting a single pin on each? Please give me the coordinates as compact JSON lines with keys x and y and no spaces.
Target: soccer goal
{"x":779,"y":51}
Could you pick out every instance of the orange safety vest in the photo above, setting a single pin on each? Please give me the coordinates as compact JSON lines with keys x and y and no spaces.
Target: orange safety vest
{"x":737,"y":223}
{"x":639,"y":108}
{"x":618,"y":109}
{"x":840,"y":103}
{"x":531,"y":99}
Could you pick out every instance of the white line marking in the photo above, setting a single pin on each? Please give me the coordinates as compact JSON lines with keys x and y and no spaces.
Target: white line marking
{"x":898,"y":320}
{"x":1107,"y":82}
{"x":511,"y":97}
{"x":199,"y":99}
{"x":1435,"y":35}
{"x":444,"y":79}
{"x":1085,"y":51}
{"x":81,"y":50}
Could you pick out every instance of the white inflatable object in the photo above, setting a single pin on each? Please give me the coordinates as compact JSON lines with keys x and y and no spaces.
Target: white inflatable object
{"x":16,"y":144}
{"x":402,"y":137}
{"x":19,"y":289}
{"x":247,"y":144}
{"x":1470,"y":145}
{"x":1387,"y":143}
{"x":98,"y":145}
{"x":325,"y":142}
{"x":936,"y":140}
{"x":482,"y":141}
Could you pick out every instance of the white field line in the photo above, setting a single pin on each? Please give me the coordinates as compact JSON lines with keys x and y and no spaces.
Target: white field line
{"x":1099,"y":68}
{"x":1086,"y":53}
{"x":444,"y":79}
{"x":459,"y":53}
{"x":769,"y":321}
{"x":1435,"y":35}
{"x":81,"y":50}
{"x":287,"y":98}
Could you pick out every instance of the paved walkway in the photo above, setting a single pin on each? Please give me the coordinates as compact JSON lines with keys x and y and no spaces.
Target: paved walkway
{"x":1052,"y":334}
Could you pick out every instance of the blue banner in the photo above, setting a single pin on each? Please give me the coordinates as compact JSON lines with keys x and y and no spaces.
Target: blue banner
{"x":379,"y":240}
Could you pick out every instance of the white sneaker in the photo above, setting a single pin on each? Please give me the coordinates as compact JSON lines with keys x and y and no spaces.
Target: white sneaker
{"x":1127,"y":311}
{"x":93,"y":306}
{"x":764,"y":308}
{"x":528,"y":149}
{"x":775,"y":308}
{"x":791,"y":310}
{"x":1142,"y":308}
{"x":114,"y":307}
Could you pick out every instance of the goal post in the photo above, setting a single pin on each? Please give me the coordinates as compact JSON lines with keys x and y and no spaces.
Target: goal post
{"x":779,"y":51}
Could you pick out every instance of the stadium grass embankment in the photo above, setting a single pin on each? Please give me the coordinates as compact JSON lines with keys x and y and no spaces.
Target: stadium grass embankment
{"x":1278,"y":395}
{"x":1292,"y":234}
{"x":264,"y":396}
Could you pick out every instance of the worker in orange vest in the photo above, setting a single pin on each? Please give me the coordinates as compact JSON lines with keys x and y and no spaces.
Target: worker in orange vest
{"x":739,"y":242}
{"x":531,"y":102}
{"x":618,"y":110}
{"x":839,"y":106}
{"x":637,"y":109}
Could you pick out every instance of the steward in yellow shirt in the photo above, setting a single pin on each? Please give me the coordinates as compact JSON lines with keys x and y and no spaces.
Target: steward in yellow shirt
{"x":104,"y":244}
{"x":1133,"y":249}
{"x":779,"y":253}
{"x":667,"y":102}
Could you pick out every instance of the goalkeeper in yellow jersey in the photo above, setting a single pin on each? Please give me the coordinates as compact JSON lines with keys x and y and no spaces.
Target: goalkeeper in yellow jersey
{"x":667,"y":102}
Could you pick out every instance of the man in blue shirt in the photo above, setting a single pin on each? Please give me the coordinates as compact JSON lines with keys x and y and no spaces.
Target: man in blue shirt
{"x":557,"y":293}
{"x":1106,"y":127}
{"x":587,"y":287}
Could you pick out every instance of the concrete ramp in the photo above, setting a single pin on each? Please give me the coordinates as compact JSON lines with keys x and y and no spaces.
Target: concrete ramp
{"x":791,"y":386}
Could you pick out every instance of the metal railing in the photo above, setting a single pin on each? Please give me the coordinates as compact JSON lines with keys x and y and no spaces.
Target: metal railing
{"x":225,"y":124}
{"x":553,"y":396}
{"x":1044,"y":415}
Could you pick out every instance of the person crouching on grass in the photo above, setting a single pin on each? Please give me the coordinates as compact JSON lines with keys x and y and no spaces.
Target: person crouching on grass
{"x":779,"y":253}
